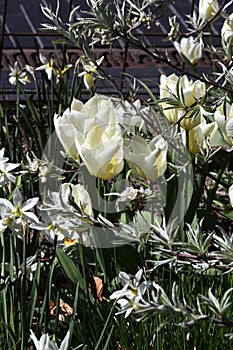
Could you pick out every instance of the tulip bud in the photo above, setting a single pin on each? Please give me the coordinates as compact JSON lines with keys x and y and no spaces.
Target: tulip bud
{"x":167,"y":88}
{"x":189,"y":48}
{"x":91,"y":131}
{"x":182,"y":98}
{"x":224,"y":118}
{"x":197,"y":136}
{"x":78,"y":195}
{"x":227,"y":32}
{"x":148,"y":160}
{"x":207,"y":9}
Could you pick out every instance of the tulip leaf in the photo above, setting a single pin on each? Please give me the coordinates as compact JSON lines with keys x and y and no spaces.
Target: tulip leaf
{"x":71,"y":270}
{"x":227,"y":214}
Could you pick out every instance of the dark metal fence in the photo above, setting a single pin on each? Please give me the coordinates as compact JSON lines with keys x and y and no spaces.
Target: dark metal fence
{"x":22,"y":40}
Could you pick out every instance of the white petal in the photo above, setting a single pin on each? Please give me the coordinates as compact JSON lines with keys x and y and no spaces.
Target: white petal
{"x":230,"y":192}
{"x":30,"y":203}
{"x":36,"y":342}
{"x":117,"y":294}
{"x":31,"y":216}
{"x":137,"y":278}
{"x":7,"y":204}
{"x":17,"y":198}
{"x":65,"y":342}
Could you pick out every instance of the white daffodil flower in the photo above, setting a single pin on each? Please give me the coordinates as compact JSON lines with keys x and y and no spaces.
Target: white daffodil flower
{"x":31,"y":267}
{"x":16,"y":215}
{"x":50,"y":228}
{"x":131,"y":293}
{"x":5,"y":168}
{"x":2,"y":158}
{"x":90,"y":71}
{"x":46,"y":344}
{"x":5,"y":175}
{"x":18,"y":75}
{"x":59,"y":227}
{"x":47,"y":65}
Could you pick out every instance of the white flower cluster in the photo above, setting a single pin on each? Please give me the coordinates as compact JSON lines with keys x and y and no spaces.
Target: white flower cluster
{"x":132,"y":292}
{"x":97,"y":137}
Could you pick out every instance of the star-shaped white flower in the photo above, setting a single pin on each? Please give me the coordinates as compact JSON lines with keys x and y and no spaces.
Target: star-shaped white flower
{"x":46,"y":344}
{"x":18,"y":75}
{"x":131,"y":293}
{"x":2,"y":158}
{"x":47,"y":65}
{"x":5,"y":168}
{"x":15,"y":215}
{"x":5,"y":175}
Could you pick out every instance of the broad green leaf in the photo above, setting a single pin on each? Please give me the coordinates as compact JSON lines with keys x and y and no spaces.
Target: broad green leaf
{"x":71,"y":270}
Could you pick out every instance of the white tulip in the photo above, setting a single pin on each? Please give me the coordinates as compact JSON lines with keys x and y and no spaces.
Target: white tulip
{"x":190,"y":48}
{"x":207,"y":9}
{"x":224,"y":118}
{"x":168,"y":86}
{"x":148,"y":160}
{"x":92,"y":131}
{"x":79,"y":195}
{"x":102,"y":151}
{"x":197,"y":136}
{"x":184,"y":95}
{"x":227,"y":31}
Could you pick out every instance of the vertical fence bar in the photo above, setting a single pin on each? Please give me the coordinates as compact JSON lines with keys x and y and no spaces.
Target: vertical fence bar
{"x":3,"y":31}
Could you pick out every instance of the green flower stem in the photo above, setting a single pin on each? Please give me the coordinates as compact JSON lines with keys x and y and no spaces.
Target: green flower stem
{"x":199,"y":186}
{"x":17,"y":99}
{"x":23,"y":296}
{"x":3,"y":254}
{"x":105,"y":198}
{"x":213,"y":190}
{"x":51,"y":107}
{"x":82,"y":258}
{"x":56,"y":321}
{"x":213,"y":57}
{"x":99,"y":189}
{"x":124,"y":66}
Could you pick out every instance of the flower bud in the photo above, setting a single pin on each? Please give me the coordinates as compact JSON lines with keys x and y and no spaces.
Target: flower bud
{"x":189,"y":48}
{"x":207,"y":9}
{"x":148,"y":160}
{"x":92,"y":132}
{"x":227,"y":32}
{"x":197,"y":136}
{"x":224,"y":118}
{"x":182,"y":100}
